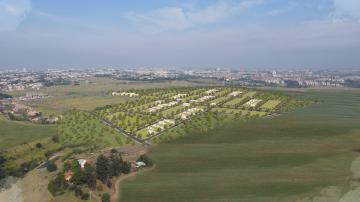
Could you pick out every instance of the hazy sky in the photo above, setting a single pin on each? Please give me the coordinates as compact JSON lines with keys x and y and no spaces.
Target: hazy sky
{"x":180,"y":33}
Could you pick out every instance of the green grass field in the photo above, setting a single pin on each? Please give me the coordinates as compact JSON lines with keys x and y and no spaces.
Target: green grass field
{"x":270,"y":104}
{"x":284,"y":158}
{"x":14,"y":133}
{"x":220,"y":99}
{"x":235,"y":101}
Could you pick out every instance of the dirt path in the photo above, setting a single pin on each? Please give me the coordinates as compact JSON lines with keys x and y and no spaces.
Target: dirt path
{"x":115,"y":196}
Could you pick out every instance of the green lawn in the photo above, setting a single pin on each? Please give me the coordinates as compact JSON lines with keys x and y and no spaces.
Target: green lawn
{"x":270,"y":104}
{"x":173,"y":110}
{"x":220,"y":99}
{"x":13,"y":133}
{"x":280,"y":159}
{"x":235,"y":101}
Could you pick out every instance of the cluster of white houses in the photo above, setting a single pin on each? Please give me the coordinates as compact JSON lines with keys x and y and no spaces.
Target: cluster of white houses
{"x":128,"y":94}
{"x":184,"y":115}
{"x":160,"y":126}
{"x":235,"y":93}
{"x":203,"y":99}
{"x":160,"y":106}
{"x":211,"y":91}
{"x":252,"y":102}
{"x":179,"y":96}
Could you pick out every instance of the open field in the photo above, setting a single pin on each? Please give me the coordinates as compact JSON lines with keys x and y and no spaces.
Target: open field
{"x":14,"y":133}
{"x":283,"y":158}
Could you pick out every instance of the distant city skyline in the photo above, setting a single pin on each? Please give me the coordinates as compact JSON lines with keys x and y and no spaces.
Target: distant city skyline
{"x":248,"y":34}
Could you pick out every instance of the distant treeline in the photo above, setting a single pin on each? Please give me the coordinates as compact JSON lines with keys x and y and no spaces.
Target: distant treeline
{"x":4,"y":96}
{"x":352,"y":83}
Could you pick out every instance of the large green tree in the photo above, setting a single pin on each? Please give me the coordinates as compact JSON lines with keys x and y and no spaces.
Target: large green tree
{"x":102,"y":168}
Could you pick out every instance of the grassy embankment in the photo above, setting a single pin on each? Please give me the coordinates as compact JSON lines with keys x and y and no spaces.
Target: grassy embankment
{"x":283,"y":158}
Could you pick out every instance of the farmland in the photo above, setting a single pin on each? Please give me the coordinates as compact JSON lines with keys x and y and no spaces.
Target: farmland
{"x":283,"y":158}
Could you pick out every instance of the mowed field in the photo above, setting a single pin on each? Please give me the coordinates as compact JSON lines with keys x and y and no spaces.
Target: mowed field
{"x":283,"y":158}
{"x":14,"y":133}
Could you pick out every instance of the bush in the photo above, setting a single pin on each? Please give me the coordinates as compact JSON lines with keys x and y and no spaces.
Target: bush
{"x":51,"y":166}
{"x":144,"y":158}
{"x":78,"y":191}
{"x":55,"y":139}
{"x":105,"y":197}
{"x":85,"y":196}
{"x":39,"y":145}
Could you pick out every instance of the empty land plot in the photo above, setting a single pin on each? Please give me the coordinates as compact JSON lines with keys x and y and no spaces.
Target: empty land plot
{"x":163,"y":95}
{"x":173,"y":110}
{"x":91,"y":102}
{"x":250,"y":94}
{"x":219,"y":100}
{"x":222,"y":92}
{"x":143,"y":133}
{"x":145,"y":106}
{"x":235,"y":101}
{"x":271,"y":104}
{"x":242,"y":112}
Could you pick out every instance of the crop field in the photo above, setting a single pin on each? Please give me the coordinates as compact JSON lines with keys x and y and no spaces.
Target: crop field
{"x":142,"y":116}
{"x":283,"y":158}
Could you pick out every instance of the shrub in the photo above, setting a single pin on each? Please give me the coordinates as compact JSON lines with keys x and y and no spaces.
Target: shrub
{"x":78,"y":191}
{"x":51,"y":166}
{"x":144,"y":158}
{"x":105,"y":197}
{"x":85,"y":196}
{"x":39,"y":145}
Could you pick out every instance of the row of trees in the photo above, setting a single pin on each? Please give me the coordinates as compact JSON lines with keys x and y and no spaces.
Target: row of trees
{"x":2,"y":169}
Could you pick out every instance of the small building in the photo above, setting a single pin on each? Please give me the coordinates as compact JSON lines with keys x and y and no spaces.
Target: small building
{"x":82,"y":162}
{"x":68,"y":175}
{"x":186,"y":104}
{"x":140,"y":164}
{"x":235,"y":93}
